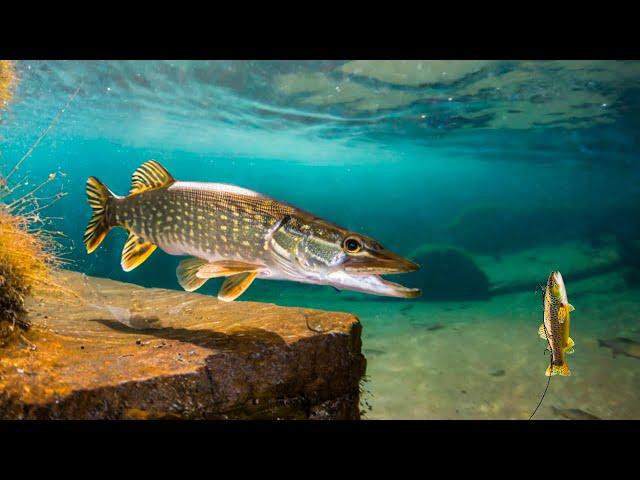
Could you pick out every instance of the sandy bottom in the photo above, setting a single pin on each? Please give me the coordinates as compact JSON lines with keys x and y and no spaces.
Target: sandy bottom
{"x":484,"y":360}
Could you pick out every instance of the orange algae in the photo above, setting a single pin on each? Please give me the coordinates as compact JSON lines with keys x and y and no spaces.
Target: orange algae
{"x":7,"y":81}
{"x":28,"y":255}
{"x":26,"y":261}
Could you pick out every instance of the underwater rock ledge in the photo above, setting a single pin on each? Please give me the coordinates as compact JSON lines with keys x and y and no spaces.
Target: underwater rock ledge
{"x":121,"y":351}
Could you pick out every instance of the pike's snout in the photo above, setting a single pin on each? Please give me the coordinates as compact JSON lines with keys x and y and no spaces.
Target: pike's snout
{"x":379,"y":262}
{"x":364,"y":273}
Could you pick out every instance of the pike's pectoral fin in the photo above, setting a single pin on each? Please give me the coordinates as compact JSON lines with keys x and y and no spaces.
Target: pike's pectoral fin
{"x":235,"y":285}
{"x":541,"y":332}
{"x":149,"y":176}
{"x":225,"y":268}
{"x":187,"y":273}
{"x":135,"y":252}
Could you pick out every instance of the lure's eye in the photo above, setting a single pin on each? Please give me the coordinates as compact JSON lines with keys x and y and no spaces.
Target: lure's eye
{"x":351,"y":245}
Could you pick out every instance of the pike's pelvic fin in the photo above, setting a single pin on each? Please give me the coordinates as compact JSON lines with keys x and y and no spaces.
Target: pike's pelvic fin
{"x":236,"y":285}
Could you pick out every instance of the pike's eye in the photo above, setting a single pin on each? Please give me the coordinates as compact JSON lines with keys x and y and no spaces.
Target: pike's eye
{"x":351,"y":245}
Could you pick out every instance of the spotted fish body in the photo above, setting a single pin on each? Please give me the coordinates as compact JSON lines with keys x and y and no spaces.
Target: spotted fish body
{"x":237,"y":233}
{"x":555,"y":328}
{"x":209,"y":221}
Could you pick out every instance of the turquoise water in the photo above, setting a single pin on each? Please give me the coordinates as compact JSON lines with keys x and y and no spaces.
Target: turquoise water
{"x":488,"y":173}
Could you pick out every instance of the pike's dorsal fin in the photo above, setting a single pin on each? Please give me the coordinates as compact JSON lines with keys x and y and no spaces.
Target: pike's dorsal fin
{"x":235,"y":285}
{"x":149,"y":176}
{"x":187,"y":273}
{"x":135,"y":252}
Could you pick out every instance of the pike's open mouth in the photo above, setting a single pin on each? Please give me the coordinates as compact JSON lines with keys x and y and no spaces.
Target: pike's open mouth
{"x":372,"y":283}
{"x":363,"y":273}
{"x":397,"y":290}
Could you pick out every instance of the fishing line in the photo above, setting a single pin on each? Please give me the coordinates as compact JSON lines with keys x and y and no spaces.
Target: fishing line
{"x":548,"y":379}
{"x":551,"y":354}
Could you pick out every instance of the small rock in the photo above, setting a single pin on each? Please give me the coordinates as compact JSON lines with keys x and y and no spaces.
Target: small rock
{"x":435,"y":327}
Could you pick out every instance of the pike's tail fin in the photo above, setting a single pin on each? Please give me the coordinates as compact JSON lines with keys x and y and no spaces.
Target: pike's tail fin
{"x":99,"y":197}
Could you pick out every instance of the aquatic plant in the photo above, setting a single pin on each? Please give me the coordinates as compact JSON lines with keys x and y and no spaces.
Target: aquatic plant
{"x":7,"y":81}
{"x":26,"y":260}
{"x":29,"y":253}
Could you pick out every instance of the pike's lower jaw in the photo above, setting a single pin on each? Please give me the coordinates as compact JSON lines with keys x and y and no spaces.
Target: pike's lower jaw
{"x":401,"y":290}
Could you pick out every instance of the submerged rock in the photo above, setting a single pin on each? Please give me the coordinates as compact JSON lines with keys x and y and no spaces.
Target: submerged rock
{"x":629,"y":251}
{"x":526,"y":270}
{"x":498,"y":229}
{"x":574,"y":414}
{"x":122,"y":351}
{"x":448,"y":273}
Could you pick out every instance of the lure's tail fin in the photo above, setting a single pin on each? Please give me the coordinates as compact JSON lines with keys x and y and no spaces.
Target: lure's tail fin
{"x":99,"y":197}
{"x":558,"y":370}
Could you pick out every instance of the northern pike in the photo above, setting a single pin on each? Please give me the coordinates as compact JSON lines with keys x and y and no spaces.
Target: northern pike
{"x":555,"y":328}
{"x":232,"y":232}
